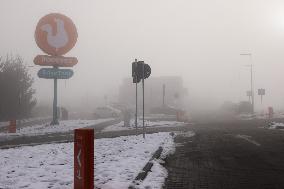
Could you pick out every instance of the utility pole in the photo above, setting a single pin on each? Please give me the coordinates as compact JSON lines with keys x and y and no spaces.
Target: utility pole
{"x":251,"y":79}
{"x":251,"y":86}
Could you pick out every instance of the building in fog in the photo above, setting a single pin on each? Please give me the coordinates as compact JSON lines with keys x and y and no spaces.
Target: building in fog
{"x":175,"y":92}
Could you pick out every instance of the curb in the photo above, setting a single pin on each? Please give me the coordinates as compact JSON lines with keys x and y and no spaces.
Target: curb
{"x":143,"y":174}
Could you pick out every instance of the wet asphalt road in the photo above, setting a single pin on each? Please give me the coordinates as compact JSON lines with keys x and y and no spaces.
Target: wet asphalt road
{"x":228,"y":155}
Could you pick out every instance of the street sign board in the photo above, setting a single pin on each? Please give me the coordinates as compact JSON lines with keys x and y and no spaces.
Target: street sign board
{"x":55,"y":34}
{"x":261,"y":91}
{"x":59,"y":61}
{"x":55,"y":73}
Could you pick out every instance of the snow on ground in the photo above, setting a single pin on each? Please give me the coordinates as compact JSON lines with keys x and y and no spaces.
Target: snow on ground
{"x":64,"y":126}
{"x":117,"y":163}
{"x":159,"y":116}
{"x":6,"y":123}
{"x":275,"y":125}
{"x":120,"y":126}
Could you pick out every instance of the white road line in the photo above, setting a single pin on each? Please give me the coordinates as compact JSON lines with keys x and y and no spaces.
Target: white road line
{"x":248,"y":138}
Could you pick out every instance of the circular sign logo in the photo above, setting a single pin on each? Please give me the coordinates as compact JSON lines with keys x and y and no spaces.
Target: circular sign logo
{"x":55,"y":34}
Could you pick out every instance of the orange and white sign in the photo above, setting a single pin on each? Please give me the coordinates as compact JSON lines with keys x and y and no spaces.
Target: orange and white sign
{"x":55,"y":34}
{"x":60,"y":61}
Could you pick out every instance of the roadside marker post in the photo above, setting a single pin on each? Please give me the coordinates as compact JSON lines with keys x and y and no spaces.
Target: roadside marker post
{"x":12,"y":126}
{"x":84,"y":159}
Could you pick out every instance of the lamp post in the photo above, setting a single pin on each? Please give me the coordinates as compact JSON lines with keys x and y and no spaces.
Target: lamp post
{"x":251,"y":79}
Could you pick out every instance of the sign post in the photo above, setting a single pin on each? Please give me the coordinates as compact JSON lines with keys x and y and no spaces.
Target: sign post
{"x":261,"y":92}
{"x":84,"y":159}
{"x":55,"y":35}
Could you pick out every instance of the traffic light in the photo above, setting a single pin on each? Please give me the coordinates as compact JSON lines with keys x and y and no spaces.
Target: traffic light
{"x":136,"y":78}
{"x":134,"y":68}
{"x":147,"y":71}
{"x":137,"y":71}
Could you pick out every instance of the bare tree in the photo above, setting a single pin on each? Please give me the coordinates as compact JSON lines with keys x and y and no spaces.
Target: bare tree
{"x":16,"y":92}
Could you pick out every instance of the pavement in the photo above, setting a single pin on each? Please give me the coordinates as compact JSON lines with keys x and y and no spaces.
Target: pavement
{"x":228,"y":155}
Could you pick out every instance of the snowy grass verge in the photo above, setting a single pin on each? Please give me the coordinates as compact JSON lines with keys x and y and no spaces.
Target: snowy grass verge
{"x":275,"y":125}
{"x":120,"y":126}
{"x":64,"y":126}
{"x":117,"y":163}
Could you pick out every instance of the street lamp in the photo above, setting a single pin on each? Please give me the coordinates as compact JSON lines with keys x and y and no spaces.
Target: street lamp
{"x":251,"y":79}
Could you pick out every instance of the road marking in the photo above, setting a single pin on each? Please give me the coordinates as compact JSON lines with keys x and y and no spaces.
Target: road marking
{"x":248,"y":138}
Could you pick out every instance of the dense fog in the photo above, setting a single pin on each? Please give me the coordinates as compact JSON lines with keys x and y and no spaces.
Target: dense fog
{"x":198,"y":41}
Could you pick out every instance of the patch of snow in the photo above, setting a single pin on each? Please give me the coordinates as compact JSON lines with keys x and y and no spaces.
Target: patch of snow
{"x":27,"y":120}
{"x":4,"y":123}
{"x":120,"y":126}
{"x":184,"y":134}
{"x":117,"y":163}
{"x":275,"y":125}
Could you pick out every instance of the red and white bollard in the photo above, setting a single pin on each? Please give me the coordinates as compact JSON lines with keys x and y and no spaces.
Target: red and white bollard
{"x":84,"y":159}
{"x":12,"y":126}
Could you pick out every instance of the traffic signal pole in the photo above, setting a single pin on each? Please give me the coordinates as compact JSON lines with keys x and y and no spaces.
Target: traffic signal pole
{"x":140,"y":70}
{"x":136,"y":111}
{"x":136,"y":108}
{"x":143,"y":100}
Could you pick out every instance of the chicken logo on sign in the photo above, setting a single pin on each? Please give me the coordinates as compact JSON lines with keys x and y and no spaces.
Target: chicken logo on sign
{"x":56,"y":34}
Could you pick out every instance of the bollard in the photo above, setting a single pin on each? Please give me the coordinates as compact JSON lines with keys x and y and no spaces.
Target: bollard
{"x":180,"y":115}
{"x":12,"y":126}
{"x":270,"y":112}
{"x":84,"y":159}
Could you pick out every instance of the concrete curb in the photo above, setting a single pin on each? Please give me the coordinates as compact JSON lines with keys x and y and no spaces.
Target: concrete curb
{"x":143,"y":174}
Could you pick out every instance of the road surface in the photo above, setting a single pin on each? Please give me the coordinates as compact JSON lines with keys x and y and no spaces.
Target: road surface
{"x":228,"y":155}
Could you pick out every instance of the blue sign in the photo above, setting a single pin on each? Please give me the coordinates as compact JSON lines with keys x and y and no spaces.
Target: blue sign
{"x":55,"y":73}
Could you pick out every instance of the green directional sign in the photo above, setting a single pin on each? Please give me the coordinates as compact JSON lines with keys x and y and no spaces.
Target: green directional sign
{"x":55,"y":73}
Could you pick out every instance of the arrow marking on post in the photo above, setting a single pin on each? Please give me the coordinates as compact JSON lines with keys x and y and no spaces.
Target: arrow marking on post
{"x":79,"y":162}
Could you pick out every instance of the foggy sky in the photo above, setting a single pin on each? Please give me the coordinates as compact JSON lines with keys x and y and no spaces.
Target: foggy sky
{"x":200,"y":40}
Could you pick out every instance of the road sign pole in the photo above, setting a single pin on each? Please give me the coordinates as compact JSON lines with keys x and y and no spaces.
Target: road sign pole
{"x":55,"y":118}
{"x":143,"y":100}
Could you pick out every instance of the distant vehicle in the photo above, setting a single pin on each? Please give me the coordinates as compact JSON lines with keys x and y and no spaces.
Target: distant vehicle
{"x":106,"y":112}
